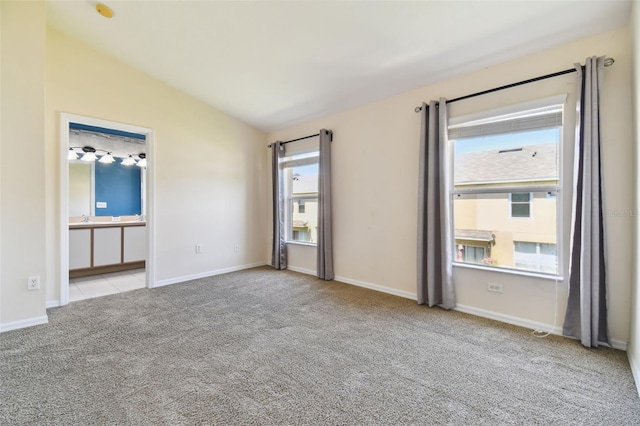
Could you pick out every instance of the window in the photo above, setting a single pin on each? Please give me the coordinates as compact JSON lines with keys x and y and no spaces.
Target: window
{"x":520,"y":204}
{"x":301,"y":188}
{"x":470,"y":254}
{"x":540,"y":257}
{"x":506,"y":167}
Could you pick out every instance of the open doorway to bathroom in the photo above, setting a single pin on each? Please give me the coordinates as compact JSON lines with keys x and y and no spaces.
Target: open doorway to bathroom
{"x":106,"y":224}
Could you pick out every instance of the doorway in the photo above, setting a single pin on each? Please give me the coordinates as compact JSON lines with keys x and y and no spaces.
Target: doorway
{"x":114,"y":227}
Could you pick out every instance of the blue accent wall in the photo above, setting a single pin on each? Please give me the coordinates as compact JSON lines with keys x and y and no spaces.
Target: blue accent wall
{"x":119,"y":187}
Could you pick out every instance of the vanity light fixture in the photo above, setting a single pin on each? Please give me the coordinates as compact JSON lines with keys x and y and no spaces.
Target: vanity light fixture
{"x":143,"y":160}
{"x":72,"y":155}
{"x":107,"y":159}
{"x":89,"y":154}
{"x":129,"y":161}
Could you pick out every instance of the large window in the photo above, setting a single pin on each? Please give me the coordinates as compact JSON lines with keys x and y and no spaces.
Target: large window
{"x":301,"y":186}
{"x":505,"y":177}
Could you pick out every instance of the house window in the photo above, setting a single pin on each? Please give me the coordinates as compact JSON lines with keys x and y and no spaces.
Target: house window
{"x":470,"y":254}
{"x":541,"y":257}
{"x":301,"y":188}
{"x":520,"y":204}
{"x":506,"y":167}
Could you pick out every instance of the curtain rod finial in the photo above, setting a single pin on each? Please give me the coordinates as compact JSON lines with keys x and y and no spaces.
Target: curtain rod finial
{"x":418,"y":109}
{"x":608,"y":62}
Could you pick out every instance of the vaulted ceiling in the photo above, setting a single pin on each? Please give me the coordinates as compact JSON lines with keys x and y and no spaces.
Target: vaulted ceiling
{"x":273,"y":64}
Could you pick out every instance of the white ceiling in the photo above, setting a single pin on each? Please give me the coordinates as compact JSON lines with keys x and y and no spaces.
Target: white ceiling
{"x":273,"y":64}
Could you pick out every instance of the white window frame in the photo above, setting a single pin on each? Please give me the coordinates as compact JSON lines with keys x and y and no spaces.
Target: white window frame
{"x":507,"y":113}
{"x":287,"y":164}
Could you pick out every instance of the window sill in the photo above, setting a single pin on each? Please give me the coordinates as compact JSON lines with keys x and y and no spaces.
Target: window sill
{"x":301,"y":243}
{"x":549,"y":277}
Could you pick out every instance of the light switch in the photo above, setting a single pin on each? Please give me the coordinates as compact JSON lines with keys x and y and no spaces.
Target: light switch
{"x":101,"y":205}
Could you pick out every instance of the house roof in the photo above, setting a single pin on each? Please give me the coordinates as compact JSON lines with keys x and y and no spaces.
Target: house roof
{"x":526,"y":163}
{"x":474,"y":235}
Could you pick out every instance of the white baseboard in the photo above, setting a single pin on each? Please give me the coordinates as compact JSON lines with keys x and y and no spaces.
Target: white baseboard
{"x":635,"y":368}
{"x":30,"y":322}
{"x":301,"y":270}
{"x":53,"y":304}
{"x":357,"y":283}
{"x":619,"y":344}
{"x":523,"y":322}
{"x":380,"y":288}
{"x":169,"y":281}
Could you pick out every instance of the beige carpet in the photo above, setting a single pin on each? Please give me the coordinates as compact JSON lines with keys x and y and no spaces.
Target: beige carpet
{"x":268,"y":347}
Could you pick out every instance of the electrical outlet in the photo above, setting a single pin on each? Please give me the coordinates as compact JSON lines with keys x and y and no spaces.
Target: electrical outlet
{"x":495,"y":288}
{"x":236,"y":247}
{"x":33,"y":282}
{"x":198,"y":248}
{"x":116,"y":218}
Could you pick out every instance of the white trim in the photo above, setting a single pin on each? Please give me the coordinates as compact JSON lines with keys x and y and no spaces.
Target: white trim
{"x":302,"y":270}
{"x":635,"y":369}
{"x":65,"y":120}
{"x":522,"y":322}
{"x":376,"y":287}
{"x":184,"y":278}
{"x":503,"y":270}
{"x":509,"y":109}
{"x":15,"y":325}
{"x":380,"y":288}
{"x":53,"y":304}
{"x":302,"y":243}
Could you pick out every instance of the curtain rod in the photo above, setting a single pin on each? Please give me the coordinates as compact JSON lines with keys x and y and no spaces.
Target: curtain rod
{"x":296,"y":140}
{"x":305,"y":137}
{"x":607,"y":63}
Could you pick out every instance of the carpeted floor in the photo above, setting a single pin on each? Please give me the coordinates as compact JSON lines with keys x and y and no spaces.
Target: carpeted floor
{"x":268,"y":347}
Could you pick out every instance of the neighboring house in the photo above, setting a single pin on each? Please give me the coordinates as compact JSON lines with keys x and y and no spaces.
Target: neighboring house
{"x":509,"y":229}
{"x":304,"y":199}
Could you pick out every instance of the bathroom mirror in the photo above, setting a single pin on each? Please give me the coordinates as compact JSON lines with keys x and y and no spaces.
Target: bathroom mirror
{"x":98,"y":188}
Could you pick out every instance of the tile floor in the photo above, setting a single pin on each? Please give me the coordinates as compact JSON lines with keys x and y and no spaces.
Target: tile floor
{"x":102,"y":285}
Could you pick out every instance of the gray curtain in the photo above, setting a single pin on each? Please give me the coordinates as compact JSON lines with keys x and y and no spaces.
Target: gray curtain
{"x":435,"y":248}
{"x":279,"y":252}
{"x":586,"y":316}
{"x":325,"y":236}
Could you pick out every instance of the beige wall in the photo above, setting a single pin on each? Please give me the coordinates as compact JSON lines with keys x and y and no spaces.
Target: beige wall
{"x":22,"y":163}
{"x":492,"y":212}
{"x":208,"y":166}
{"x":374,"y":160}
{"x":634,"y":348}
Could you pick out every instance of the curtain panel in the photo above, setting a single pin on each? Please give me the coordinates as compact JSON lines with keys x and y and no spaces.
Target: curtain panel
{"x":325,"y":227}
{"x":435,"y":248}
{"x":279,"y":250}
{"x":586,"y":315}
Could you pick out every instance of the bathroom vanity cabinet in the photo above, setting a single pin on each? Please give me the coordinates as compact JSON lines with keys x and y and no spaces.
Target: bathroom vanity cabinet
{"x":98,"y":248}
